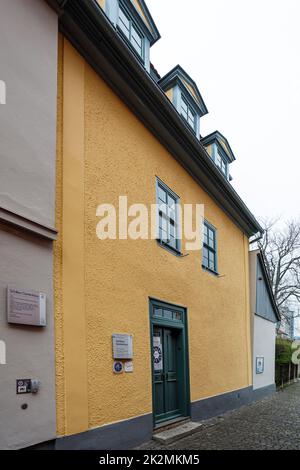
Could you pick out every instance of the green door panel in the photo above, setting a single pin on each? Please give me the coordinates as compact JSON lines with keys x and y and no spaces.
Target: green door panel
{"x":168,"y":380}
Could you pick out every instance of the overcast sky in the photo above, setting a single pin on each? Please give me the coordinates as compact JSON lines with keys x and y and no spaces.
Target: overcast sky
{"x":245,"y":58}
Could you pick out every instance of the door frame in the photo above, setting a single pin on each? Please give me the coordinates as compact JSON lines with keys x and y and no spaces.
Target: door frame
{"x":173,"y":324}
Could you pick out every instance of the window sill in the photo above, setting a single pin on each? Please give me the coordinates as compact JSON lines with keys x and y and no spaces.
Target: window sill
{"x":210,"y":271}
{"x":172,"y":250}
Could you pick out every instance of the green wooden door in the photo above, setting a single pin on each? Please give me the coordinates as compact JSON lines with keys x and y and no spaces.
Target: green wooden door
{"x":168,"y":383}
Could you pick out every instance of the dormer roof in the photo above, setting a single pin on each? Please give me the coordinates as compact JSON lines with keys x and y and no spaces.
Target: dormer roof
{"x":143,"y":11}
{"x":179,"y":76}
{"x":217,"y":137}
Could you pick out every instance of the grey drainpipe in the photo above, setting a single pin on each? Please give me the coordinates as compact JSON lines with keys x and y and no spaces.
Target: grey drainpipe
{"x":259,"y":237}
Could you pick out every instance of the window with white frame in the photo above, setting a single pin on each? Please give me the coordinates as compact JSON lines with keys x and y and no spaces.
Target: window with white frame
{"x":131,"y":32}
{"x":188,"y":113}
{"x":221,"y":163}
{"x":168,"y":223}
{"x":209,"y":258}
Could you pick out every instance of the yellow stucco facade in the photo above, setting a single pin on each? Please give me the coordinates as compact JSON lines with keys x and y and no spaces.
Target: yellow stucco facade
{"x":103,"y":287}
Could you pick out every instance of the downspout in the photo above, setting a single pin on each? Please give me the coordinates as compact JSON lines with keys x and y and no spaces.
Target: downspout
{"x":259,"y":237}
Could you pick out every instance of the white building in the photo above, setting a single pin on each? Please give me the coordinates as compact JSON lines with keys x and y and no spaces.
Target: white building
{"x":28,"y":93}
{"x":265,"y":315}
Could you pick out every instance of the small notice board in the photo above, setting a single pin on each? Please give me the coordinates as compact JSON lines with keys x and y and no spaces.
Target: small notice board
{"x":26,"y":307}
{"x":122,"y":346}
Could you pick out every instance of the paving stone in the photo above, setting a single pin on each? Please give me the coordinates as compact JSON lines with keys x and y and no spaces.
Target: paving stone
{"x":272,"y":423}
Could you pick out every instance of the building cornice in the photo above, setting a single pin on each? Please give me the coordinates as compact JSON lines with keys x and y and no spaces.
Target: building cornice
{"x":15,"y":220}
{"x":87,"y":27}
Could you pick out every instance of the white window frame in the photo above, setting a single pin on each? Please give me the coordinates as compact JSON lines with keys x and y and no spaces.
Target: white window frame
{"x":168,"y":217}
{"x":132,"y":27}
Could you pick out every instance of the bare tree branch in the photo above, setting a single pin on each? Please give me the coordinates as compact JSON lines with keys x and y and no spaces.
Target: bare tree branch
{"x":281,"y":248}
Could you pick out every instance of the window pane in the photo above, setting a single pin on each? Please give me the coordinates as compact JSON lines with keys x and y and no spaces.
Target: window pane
{"x":188,"y":113}
{"x":184,"y":106}
{"x":184,"y":115}
{"x":211,"y":240}
{"x":172,"y":229}
{"x":162,"y":195}
{"x":172,"y":242}
{"x":171,"y":201}
{"x":158,"y":312}
{"x":137,"y":40}
{"x":124,"y":23}
{"x":177,"y":316}
{"x":167,"y":314}
{"x":191,"y":121}
{"x":205,"y":257}
{"x":205,"y":235}
{"x":163,"y":223}
{"x":137,"y":46}
{"x":163,"y":236}
{"x":136,"y":36}
{"x":163,"y":208}
{"x":211,"y":260}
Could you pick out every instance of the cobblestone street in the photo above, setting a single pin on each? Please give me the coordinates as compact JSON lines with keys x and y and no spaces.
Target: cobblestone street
{"x":273,"y":423}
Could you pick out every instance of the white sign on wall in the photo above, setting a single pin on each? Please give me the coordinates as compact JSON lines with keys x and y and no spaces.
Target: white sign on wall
{"x":122,"y":346}
{"x":26,"y":307}
{"x":157,"y":354}
{"x":260,"y":364}
{"x":128,"y":366}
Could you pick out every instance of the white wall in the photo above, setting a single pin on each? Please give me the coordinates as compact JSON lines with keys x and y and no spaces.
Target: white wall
{"x":26,"y":262}
{"x":264,"y":345}
{"x":28,"y":66}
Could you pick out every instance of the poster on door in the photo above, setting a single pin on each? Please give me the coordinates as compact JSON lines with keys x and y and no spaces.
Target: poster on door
{"x":157,"y":354}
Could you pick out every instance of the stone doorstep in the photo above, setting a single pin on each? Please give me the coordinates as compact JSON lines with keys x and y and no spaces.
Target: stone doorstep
{"x":174,"y":434}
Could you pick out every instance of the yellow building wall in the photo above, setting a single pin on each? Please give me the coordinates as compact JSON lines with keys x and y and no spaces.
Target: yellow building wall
{"x":102,"y":3}
{"x":190,"y":88}
{"x":226,"y":150}
{"x":139,"y":9}
{"x":169,"y":94}
{"x":111,"y":281}
{"x":209,"y":150}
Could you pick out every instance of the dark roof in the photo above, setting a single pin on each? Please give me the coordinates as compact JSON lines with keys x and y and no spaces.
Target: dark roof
{"x":88,"y":29}
{"x":263,"y":264}
{"x":154,"y":73}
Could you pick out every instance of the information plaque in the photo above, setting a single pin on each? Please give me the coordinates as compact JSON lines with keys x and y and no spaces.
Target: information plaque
{"x":26,"y":307}
{"x":122,"y":346}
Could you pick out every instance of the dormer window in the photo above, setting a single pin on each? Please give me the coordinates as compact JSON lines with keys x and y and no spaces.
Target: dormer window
{"x":188,"y":113}
{"x":219,"y":150}
{"x":131,"y":32}
{"x":135,"y":25}
{"x":185,"y":96}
